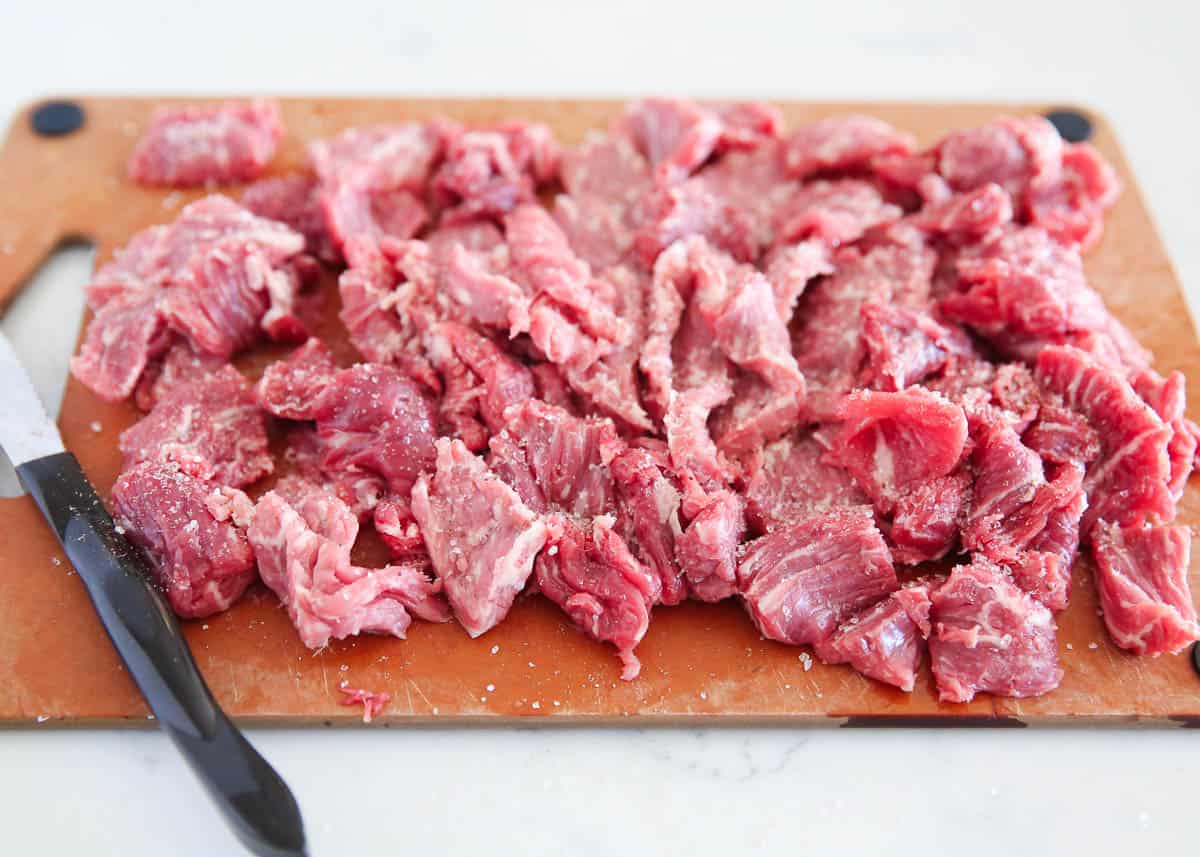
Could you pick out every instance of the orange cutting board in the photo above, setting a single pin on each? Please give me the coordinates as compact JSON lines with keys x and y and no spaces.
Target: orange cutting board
{"x":701,"y":663}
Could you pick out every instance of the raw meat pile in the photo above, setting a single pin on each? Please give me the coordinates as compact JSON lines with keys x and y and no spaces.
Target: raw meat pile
{"x":727,"y":361}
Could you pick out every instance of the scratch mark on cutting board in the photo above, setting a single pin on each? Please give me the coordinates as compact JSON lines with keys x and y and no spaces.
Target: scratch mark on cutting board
{"x":233,"y":682}
{"x":408,"y":694}
{"x":417,"y":688}
{"x":325,"y":678}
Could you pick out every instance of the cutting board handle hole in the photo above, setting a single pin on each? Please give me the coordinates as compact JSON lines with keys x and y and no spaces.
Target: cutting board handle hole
{"x":1072,"y":125}
{"x":42,"y":322}
{"x":57,"y":118}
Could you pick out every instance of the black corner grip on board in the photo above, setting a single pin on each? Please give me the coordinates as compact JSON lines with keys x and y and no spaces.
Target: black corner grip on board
{"x":57,"y":118}
{"x":253,"y":798}
{"x":1196,"y":657}
{"x":1071,"y":125}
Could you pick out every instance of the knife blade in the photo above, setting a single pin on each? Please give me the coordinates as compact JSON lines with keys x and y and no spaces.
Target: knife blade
{"x":252,"y":797}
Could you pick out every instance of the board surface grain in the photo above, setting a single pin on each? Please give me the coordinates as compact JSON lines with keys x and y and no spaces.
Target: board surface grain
{"x":701,"y":663}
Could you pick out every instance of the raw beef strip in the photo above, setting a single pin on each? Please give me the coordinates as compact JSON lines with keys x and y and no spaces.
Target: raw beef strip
{"x":793,"y":481}
{"x":190,"y":529}
{"x":1044,"y":569}
{"x":120,"y":341}
{"x":753,"y":186}
{"x":605,"y":177}
{"x":159,"y":256}
{"x":827,"y":336}
{"x":695,"y":207}
{"x":232,"y":298}
{"x":675,"y":136}
{"x":180,"y":364}
{"x":1168,"y":397}
{"x":748,"y":125}
{"x":610,"y":384}
{"x":990,"y":636}
{"x":354,"y":212}
{"x":836,"y":212}
{"x":758,"y":413}
{"x":303,"y":458}
{"x":183,"y":266}
{"x":588,"y":571}
{"x":967,"y":216}
{"x":194,"y":145}
{"x":381,"y":156}
{"x":790,"y":269}
{"x":1061,"y":436}
{"x":486,"y":173}
{"x":607,"y":168}
{"x":555,"y":461}
{"x":542,"y":288}
{"x":1011,"y":152}
{"x":294,"y":199}
{"x":738,"y":311}
{"x":303,"y":553}
{"x":926,"y":523}
{"x":890,"y":443}
{"x":885,"y":642}
{"x":665,"y":306}
{"x":545,"y":265}
{"x":378,"y":420}
{"x":481,"y":382}
{"x":739,"y":307}
{"x":1019,"y":519}
{"x":372,"y":177}
{"x":389,"y":296}
{"x":648,"y":516}
{"x":1021,"y":291}
{"x":394,"y":521}
{"x":214,"y":421}
{"x":551,"y":387}
{"x":481,"y":285}
{"x":1142,"y":579}
{"x":373,"y":703}
{"x":1072,"y":207}
{"x":1008,"y":477}
{"x":482,"y":539}
{"x":707,"y":549}
{"x":292,"y":388}
{"x":480,"y":236}
{"x":1130,"y":482}
{"x":597,"y":230}
{"x":989,"y":392}
{"x":910,"y":179}
{"x":694,"y":455}
{"x":800,"y":581}
{"x":842,"y":143}
{"x":905,"y":346}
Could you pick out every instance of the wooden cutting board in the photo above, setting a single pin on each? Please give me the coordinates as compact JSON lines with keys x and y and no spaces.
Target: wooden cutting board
{"x":701,"y":663}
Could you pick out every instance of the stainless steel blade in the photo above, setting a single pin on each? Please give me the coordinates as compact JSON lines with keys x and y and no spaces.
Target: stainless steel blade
{"x":26,"y":432}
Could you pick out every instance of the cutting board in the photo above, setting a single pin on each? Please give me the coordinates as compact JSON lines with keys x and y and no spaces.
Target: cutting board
{"x":701,"y":663}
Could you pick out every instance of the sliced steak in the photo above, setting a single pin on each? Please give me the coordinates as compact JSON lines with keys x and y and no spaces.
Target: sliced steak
{"x":191,"y":531}
{"x":1142,"y":579}
{"x":220,"y":144}
{"x":214,"y":422}
{"x":482,"y":539}
{"x":589,"y":572}
{"x":303,"y":553}
{"x":800,"y":581}
{"x":990,"y":636}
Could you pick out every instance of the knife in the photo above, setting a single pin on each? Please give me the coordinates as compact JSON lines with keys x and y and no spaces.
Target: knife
{"x":252,"y":797}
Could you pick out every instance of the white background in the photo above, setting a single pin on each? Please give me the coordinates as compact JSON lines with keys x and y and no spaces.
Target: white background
{"x":655,"y":792}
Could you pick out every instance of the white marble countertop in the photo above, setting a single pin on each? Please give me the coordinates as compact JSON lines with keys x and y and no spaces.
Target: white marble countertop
{"x":658,"y":791}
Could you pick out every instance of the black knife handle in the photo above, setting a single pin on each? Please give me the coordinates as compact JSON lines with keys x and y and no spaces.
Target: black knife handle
{"x":253,"y":798}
